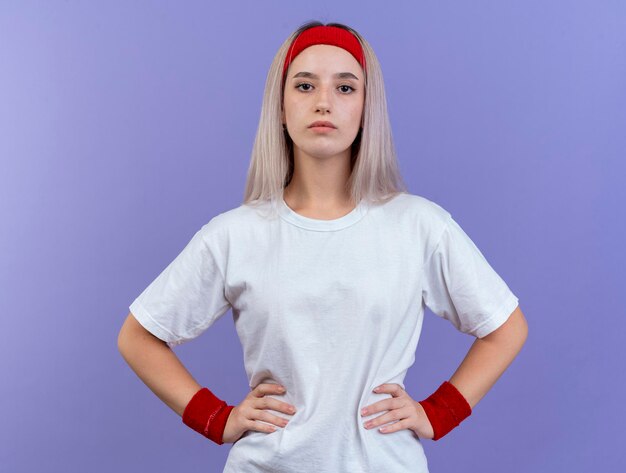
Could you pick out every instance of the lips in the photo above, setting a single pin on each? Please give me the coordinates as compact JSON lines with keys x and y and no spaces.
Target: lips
{"x":322,"y":123}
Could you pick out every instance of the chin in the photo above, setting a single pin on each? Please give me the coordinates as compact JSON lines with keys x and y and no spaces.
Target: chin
{"x":323,"y":152}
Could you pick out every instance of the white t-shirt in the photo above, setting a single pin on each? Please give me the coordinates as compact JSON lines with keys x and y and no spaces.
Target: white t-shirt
{"x":330,"y":309}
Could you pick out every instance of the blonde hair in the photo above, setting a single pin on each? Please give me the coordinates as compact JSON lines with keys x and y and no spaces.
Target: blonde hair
{"x":375,"y":175}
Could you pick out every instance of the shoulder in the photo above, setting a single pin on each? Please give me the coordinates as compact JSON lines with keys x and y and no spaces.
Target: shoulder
{"x":415,"y":218}
{"x":233,"y":220}
{"x":421,"y":211}
{"x":421,"y":205}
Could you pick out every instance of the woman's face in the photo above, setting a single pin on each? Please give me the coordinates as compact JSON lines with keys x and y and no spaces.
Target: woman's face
{"x":323,"y":83}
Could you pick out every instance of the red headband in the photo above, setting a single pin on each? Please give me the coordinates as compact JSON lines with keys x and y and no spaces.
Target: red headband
{"x":332,"y":35}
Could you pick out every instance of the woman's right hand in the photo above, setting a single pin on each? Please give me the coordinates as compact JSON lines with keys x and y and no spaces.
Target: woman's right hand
{"x":244,"y":417}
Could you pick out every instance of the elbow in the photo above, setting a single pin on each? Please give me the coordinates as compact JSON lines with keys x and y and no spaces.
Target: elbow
{"x":126,"y":334}
{"x":122,"y":341}
{"x":520,"y":328}
{"x":523,"y":326}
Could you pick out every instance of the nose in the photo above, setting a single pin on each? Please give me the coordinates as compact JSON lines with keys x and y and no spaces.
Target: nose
{"x":323,"y":99}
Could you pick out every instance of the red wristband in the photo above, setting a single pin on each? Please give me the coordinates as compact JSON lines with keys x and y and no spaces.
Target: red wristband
{"x":446,"y":408}
{"x":207,"y":415}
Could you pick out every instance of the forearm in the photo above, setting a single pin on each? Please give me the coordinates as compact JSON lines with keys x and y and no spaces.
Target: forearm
{"x":489,"y":357}
{"x":159,"y":368}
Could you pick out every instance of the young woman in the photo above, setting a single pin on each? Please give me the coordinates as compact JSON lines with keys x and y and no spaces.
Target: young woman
{"x":327,"y":267}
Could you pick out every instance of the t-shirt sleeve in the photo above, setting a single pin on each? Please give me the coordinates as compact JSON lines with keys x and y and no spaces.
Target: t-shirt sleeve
{"x":189,"y":294}
{"x":462,"y":287}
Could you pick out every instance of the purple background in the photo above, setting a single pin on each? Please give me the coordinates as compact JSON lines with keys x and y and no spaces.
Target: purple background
{"x":126,"y":126}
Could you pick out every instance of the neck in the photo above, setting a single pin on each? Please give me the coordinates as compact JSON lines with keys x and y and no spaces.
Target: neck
{"x":319,"y":184}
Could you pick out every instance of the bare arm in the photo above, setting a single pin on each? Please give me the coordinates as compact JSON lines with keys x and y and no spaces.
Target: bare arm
{"x":489,"y":357}
{"x":156,"y":365}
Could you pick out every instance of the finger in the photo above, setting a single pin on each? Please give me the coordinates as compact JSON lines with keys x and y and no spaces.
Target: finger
{"x":392,"y":388}
{"x":382,"y":419}
{"x":260,"y":426}
{"x":268,"y":388}
{"x":259,"y":414}
{"x":387,"y":429}
{"x":383,"y":405}
{"x":266,"y":402}
{"x":274,"y":404}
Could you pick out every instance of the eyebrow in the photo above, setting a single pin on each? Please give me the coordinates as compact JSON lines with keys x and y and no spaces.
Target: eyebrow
{"x":339,"y":75}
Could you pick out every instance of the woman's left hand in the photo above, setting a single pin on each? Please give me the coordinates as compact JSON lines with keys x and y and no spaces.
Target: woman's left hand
{"x":407,"y":413}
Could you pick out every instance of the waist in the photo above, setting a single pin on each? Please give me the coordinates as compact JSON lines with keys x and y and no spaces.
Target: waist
{"x":327,"y":445}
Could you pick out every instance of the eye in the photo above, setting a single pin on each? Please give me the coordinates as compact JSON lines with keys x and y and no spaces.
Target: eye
{"x":301,"y":84}
{"x":346,"y":92}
